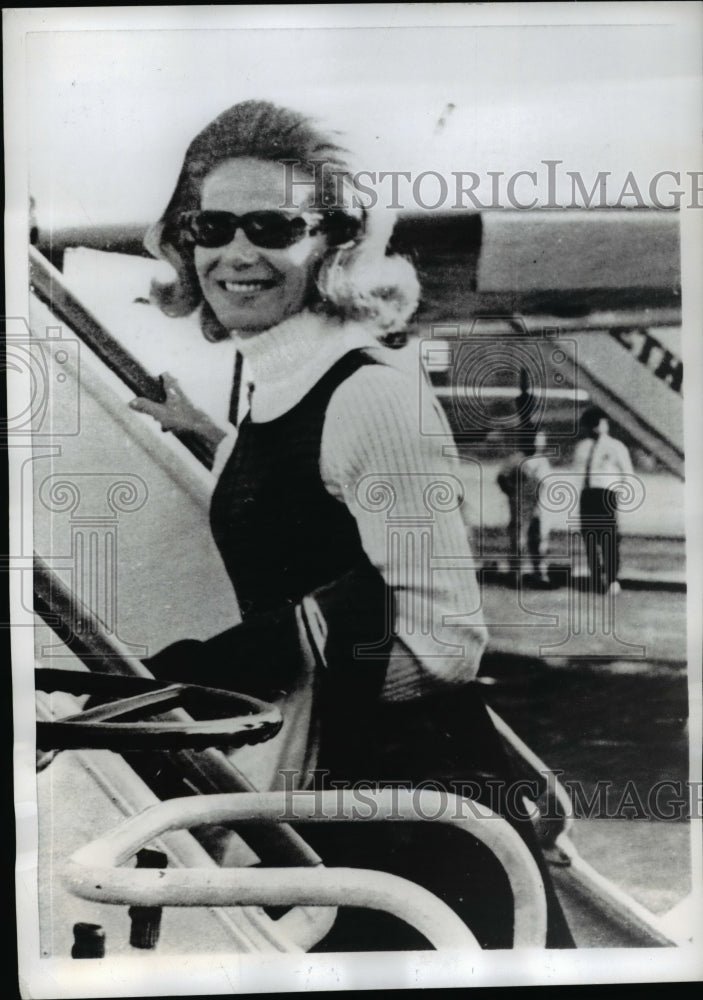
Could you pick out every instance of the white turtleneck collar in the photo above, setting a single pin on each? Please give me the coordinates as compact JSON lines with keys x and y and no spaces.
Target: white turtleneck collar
{"x":286,"y":361}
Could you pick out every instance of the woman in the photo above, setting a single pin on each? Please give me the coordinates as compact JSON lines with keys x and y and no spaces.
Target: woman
{"x":336,"y":507}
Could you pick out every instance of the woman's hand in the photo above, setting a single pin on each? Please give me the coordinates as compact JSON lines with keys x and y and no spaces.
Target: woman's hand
{"x":260,"y":657}
{"x":177,"y":413}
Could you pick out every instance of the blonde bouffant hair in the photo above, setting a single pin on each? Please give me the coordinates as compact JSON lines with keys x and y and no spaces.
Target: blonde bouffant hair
{"x":357,"y":279}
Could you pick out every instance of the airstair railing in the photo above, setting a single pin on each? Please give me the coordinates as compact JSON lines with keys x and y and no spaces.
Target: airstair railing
{"x":50,"y":288}
{"x":93,"y":871}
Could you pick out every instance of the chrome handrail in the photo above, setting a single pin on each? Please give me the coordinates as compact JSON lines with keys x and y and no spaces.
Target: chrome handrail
{"x":93,"y":871}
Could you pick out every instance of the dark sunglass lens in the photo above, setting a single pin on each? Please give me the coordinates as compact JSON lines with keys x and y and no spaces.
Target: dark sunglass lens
{"x":209,"y":229}
{"x":273,"y":230}
{"x":213,"y":229}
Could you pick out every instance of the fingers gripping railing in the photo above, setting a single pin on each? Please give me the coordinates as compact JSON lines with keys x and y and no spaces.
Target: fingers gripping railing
{"x":50,"y":287}
{"x":93,"y":872}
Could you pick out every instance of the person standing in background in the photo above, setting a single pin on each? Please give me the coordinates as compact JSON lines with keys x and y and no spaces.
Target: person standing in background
{"x":604,"y":464}
{"x":528,"y":530}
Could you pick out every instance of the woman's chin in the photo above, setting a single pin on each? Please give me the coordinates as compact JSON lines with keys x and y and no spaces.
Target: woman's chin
{"x":245,"y":324}
{"x":247,"y":332}
{"x":248,"y":325}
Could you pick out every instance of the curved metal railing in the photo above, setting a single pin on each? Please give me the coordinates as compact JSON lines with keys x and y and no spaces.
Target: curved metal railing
{"x":94,"y":872}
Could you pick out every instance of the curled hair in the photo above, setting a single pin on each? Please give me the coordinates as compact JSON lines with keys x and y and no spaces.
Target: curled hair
{"x":355,"y":280}
{"x":591,"y":417}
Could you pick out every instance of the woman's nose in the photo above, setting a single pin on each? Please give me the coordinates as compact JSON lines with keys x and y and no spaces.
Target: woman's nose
{"x":240,"y":249}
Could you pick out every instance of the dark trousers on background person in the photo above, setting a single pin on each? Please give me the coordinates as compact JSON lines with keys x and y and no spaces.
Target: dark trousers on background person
{"x":599,"y":529}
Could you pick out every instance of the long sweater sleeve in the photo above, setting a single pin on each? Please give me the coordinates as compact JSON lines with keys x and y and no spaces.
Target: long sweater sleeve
{"x":382,"y":456}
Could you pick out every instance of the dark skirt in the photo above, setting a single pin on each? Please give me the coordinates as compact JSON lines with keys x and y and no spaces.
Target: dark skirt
{"x":449,"y":743}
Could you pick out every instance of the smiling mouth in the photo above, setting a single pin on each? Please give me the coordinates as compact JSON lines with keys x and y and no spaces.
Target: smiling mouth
{"x":244,"y":287}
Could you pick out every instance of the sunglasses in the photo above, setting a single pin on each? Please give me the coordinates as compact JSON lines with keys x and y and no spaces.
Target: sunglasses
{"x":268,"y":229}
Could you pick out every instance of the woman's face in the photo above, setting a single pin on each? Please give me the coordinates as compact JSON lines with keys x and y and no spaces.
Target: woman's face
{"x":249,"y":288}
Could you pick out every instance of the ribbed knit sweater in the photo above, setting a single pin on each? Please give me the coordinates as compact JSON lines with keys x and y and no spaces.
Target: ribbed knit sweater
{"x":382,"y":456}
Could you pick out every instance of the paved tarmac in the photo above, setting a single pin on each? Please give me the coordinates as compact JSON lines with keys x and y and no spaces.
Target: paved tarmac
{"x":566,"y":624}
{"x":598,"y":688}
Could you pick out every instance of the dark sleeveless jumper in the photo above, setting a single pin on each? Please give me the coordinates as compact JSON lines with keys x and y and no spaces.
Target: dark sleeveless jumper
{"x":282,"y":536}
{"x":280,"y":533}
